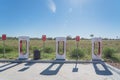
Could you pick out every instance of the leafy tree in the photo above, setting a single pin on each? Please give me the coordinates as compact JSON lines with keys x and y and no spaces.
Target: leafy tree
{"x":69,"y":37}
{"x":92,"y":35}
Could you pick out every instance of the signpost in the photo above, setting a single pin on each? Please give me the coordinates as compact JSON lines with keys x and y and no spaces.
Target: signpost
{"x":77,"y":40}
{"x":3,"y":38}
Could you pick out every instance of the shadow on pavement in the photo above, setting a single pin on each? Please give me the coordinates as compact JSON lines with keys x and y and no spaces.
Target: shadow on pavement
{"x":23,"y":69}
{"x":75,"y":69}
{"x":53,"y":69}
{"x":27,"y":66}
{"x":101,"y":68}
{"x":8,"y":66}
{"x":5,"y":65}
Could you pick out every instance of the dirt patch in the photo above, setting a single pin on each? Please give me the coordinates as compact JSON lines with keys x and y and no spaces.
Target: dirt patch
{"x":115,"y":64}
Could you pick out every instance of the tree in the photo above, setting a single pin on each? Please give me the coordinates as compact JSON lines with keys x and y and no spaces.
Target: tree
{"x":49,"y":38}
{"x":69,"y":37}
{"x":92,"y":35}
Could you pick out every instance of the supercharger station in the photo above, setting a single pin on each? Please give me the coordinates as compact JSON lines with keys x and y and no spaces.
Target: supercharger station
{"x":60,"y":48}
{"x":23,"y":54}
{"x":96,"y":55}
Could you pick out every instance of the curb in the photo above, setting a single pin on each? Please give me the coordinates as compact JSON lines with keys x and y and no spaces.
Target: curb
{"x":49,"y":61}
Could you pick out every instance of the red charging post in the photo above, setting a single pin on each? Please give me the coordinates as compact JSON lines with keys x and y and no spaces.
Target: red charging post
{"x":4,"y":38}
{"x":44,"y":39}
{"x":99,"y":48}
{"x":20,"y":46}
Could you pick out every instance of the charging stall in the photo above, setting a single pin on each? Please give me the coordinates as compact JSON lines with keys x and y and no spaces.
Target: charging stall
{"x":96,"y":48}
{"x":23,"y":46}
{"x":60,"y":48}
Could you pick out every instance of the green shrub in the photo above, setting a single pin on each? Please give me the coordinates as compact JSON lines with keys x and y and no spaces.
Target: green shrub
{"x":48,"y":50}
{"x":108,"y":52}
{"x":77,"y":53}
{"x":1,"y":49}
{"x":7,"y":49}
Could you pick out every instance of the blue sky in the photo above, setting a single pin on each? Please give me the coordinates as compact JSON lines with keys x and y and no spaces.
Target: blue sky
{"x":60,"y":18}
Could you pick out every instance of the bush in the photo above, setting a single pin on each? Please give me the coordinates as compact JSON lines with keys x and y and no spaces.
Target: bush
{"x":48,"y":50}
{"x":108,"y":52}
{"x":77,"y":52}
{"x":1,"y":49}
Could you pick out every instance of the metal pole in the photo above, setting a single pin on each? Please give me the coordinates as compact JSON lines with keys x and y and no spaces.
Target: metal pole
{"x":43,"y":45}
{"x":77,"y":53}
{"x":3,"y":48}
{"x":77,"y":50}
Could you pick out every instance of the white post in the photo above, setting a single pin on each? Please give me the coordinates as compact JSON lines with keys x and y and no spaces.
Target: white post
{"x":4,"y":48}
{"x":98,"y":55}
{"x":26,"y":55}
{"x":58,"y":55}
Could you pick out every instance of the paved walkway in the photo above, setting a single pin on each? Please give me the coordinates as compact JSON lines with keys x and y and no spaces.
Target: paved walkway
{"x":56,"y":71}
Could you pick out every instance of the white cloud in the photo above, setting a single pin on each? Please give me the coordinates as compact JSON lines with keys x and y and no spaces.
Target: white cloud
{"x":52,"y":6}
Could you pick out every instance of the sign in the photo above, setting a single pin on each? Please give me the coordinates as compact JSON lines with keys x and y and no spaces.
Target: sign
{"x":4,"y":37}
{"x":44,"y":37}
{"x":77,"y":38}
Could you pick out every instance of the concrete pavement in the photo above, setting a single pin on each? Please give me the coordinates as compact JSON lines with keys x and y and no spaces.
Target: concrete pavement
{"x":57,"y":71}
